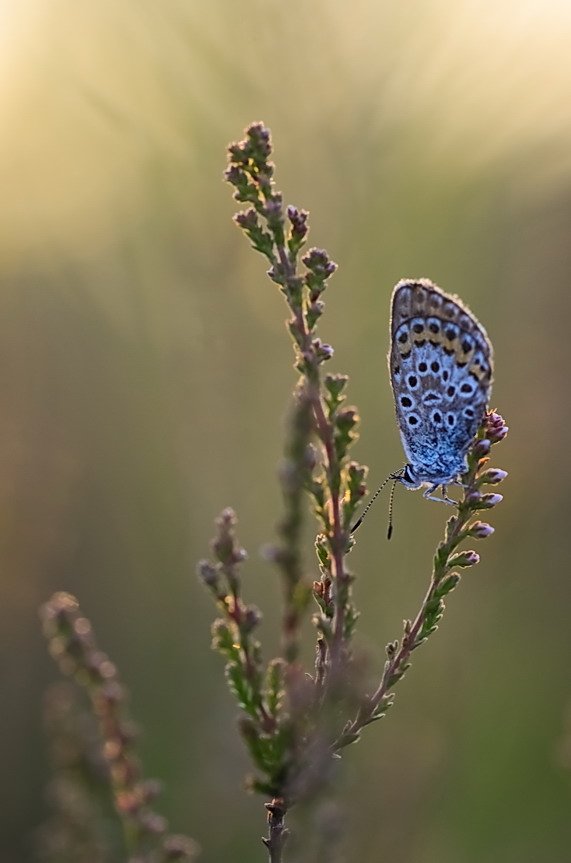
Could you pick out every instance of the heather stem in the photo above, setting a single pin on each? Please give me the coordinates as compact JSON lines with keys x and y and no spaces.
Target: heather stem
{"x":443,"y":580}
{"x":277,"y":831}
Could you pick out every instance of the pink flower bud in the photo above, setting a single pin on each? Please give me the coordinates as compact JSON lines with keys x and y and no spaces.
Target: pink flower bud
{"x":464,"y":558}
{"x":494,"y":475}
{"x":480,"y":530}
{"x":490,"y":500}
{"x":473,"y":498}
{"x":496,"y":427}
{"x":482,"y":448}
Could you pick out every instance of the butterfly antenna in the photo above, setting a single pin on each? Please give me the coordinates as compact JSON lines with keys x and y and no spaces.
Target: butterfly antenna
{"x":393,"y":476}
{"x":391,"y":501}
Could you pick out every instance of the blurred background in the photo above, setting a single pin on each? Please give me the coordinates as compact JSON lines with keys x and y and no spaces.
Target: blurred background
{"x":145,"y":373}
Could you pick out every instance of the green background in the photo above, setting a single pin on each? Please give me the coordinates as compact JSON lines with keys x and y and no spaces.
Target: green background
{"x":145,"y":372}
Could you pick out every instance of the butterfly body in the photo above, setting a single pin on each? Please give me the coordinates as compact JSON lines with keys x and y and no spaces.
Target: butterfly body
{"x":440,"y":365}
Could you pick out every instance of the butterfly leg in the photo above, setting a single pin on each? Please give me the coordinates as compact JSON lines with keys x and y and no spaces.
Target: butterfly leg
{"x":429,"y":495}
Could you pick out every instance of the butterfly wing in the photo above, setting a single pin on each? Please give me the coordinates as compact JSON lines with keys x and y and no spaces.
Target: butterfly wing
{"x":440,"y":366}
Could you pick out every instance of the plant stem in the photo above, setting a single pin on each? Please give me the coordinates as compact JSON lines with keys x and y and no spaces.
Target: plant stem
{"x":277,"y":831}
{"x":443,"y":580}
{"x":325,"y":432}
{"x":410,"y":638}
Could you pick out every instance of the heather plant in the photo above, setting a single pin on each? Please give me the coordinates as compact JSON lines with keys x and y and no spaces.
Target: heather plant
{"x":84,"y":773}
{"x":295,"y":722}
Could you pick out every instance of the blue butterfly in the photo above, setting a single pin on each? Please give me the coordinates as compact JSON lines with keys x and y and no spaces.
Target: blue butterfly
{"x":440,"y":366}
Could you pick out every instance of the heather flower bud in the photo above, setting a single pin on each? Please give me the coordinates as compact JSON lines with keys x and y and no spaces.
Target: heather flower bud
{"x":464,"y":559}
{"x":259,"y":140}
{"x":322,"y":350}
{"x":347,"y":419}
{"x":252,"y":618}
{"x":318,"y":261}
{"x":480,"y":530}
{"x":473,"y":499}
{"x":482,"y":448}
{"x":273,"y":207}
{"x":314,"y":312}
{"x":490,"y":500}
{"x":496,"y":427}
{"x":247,"y":219}
{"x":235,"y":175}
{"x":493,"y":476}
{"x":298,"y":219}
{"x":207,"y":572}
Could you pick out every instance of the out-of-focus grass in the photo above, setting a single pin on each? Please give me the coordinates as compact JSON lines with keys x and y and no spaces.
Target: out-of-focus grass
{"x":144,"y":371}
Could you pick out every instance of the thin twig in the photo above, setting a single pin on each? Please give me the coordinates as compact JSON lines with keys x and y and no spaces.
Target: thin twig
{"x":277,"y":832}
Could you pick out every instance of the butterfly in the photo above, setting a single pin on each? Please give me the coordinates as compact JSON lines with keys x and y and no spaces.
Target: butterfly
{"x":440,"y":366}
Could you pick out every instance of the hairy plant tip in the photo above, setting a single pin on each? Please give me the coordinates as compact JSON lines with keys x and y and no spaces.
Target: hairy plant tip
{"x":249,"y":169}
{"x":72,"y":643}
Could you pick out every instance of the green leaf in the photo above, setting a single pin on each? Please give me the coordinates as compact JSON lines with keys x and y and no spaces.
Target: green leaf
{"x":447,"y":584}
{"x":274,"y":685}
{"x":224,"y":639}
{"x":240,"y":687}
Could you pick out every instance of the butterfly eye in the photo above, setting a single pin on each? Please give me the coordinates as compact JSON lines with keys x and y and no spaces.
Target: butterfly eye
{"x":468,"y":413}
{"x":467,"y":389}
{"x":413,"y":420}
{"x":412,"y":381}
{"x":437,"y":418}
{"x":406,"y":402}
{"x":435,"y":367}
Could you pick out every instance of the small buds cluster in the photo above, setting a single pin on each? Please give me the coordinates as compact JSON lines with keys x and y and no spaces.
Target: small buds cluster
{"x":279,"y":234}
{"x":493,"y":431}
{"x":320,"y":267}
{"x":72,"y":644}
{"x":299,"y":229}
{"x":222,"y":578}
{"x":495,"y":427}
{"x":258,"y":691}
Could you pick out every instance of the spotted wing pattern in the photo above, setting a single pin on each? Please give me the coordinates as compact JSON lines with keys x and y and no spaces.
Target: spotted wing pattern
{"x":440,"y":365}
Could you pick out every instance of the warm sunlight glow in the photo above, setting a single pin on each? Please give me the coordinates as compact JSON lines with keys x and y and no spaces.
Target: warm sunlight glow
{"x":86,"y":105}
